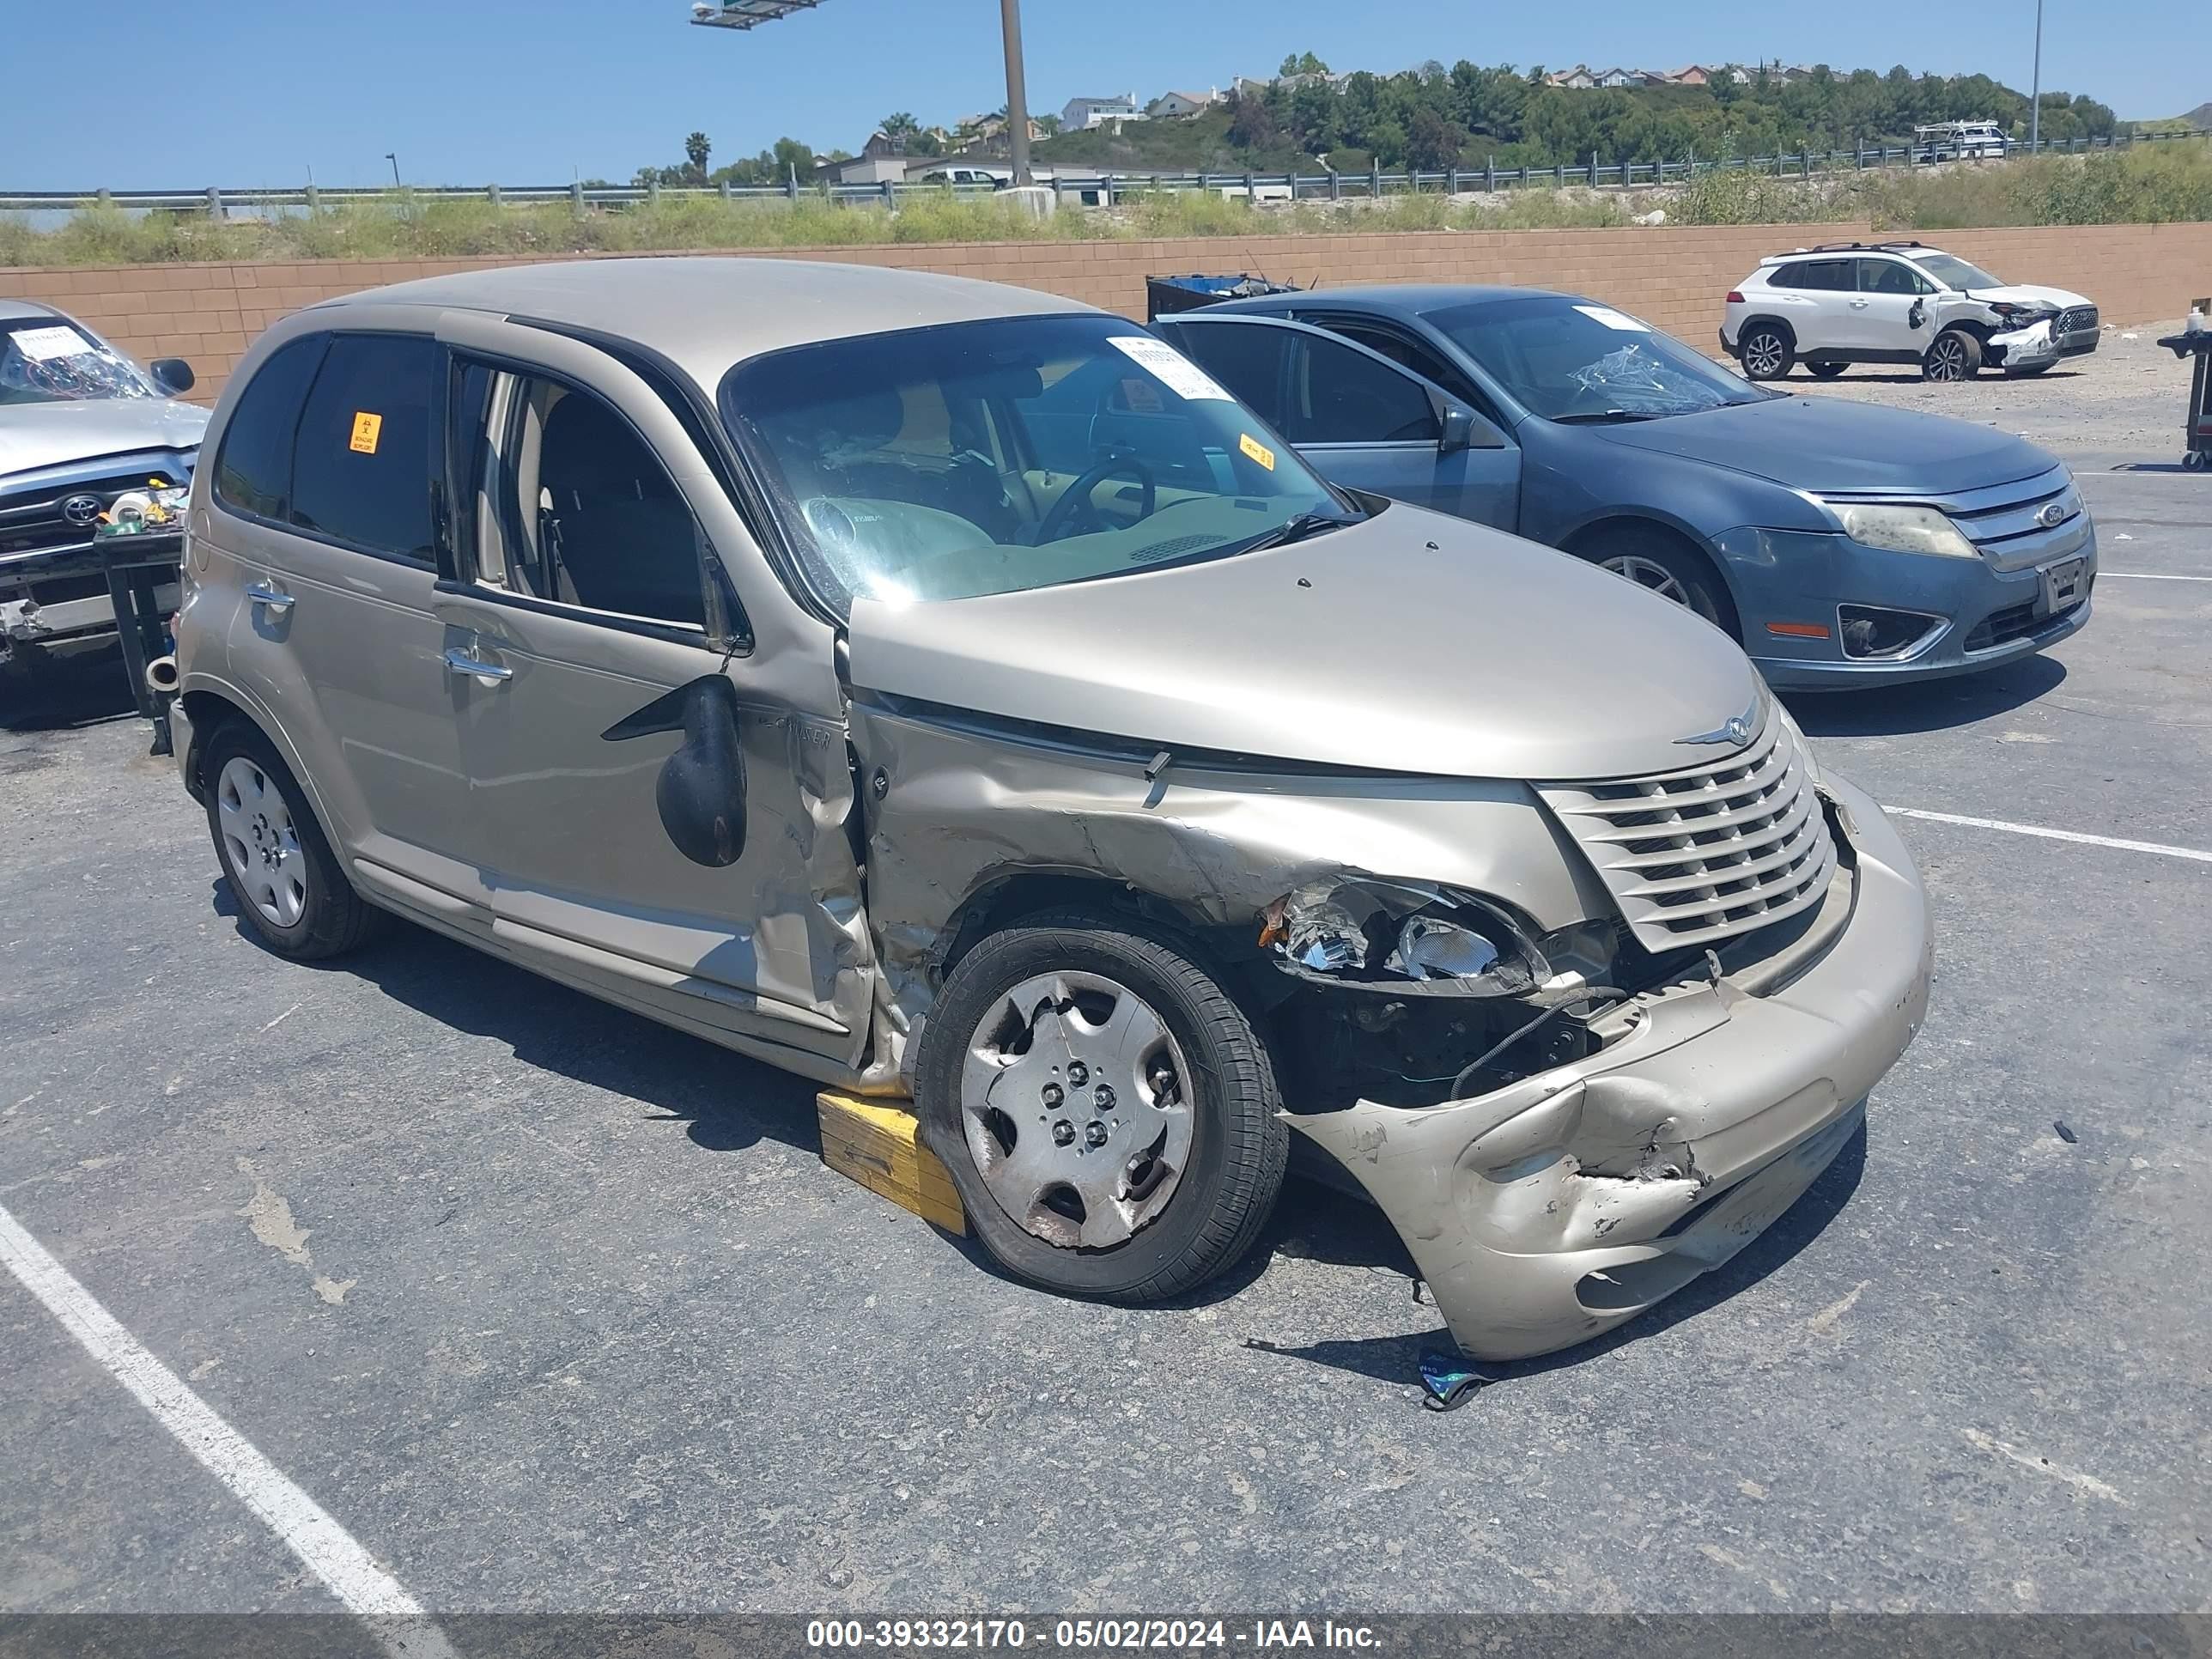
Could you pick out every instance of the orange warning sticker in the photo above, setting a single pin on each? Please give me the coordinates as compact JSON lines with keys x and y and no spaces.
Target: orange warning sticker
{"x":367,"y":428}
{"x":1258,"y":451}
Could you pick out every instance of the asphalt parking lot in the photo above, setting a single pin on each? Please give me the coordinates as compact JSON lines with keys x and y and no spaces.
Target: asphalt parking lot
{"x":551,"y":1308}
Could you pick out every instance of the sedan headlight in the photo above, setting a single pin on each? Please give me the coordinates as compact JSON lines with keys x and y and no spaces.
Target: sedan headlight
{"x":1904,"y":530}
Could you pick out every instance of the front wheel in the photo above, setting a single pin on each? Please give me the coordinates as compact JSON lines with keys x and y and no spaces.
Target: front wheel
{"x":1766,"y":352}
{"x":1106,"y":1110}
{"x":1659,"y":564}
{"x":1955,"y":355}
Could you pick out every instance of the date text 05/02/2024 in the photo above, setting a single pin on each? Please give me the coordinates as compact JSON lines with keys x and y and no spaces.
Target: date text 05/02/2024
{"x":1086,"y":1635}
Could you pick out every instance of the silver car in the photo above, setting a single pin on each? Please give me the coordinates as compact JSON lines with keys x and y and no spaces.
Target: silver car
{"x":81,"y":426}
{"x":762,"y":647}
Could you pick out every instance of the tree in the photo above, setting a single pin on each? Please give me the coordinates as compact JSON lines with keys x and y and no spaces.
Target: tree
{"x":695,"y":151}
{"x":898,"y":125}
{"x":1048,"y":125}
{"x":1302,"y":62}
{"x":1434,"y":140}
{"x":1252,"y":123}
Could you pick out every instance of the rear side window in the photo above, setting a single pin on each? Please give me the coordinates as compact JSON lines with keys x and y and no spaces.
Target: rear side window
{"x":1245,"y":357}
{"x":361,"y":469}
{"x":253,"y":474}
{"x":1826,"y":276}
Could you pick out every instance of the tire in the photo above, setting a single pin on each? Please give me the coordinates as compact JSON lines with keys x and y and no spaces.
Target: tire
{"x":1826,"y":371}
{"x":1188,"y":1212}
{"x":1659,"y":563}
{"x":287,"y":883}
{"x":1767,"y":351}
{"x":1953,"y":355}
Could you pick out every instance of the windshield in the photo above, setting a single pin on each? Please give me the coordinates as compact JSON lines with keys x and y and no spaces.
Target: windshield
{"x":1569,"y":360}
{"x":47,"y":360}
{"x":1950,"y":271}
{"x":1025,"y":451}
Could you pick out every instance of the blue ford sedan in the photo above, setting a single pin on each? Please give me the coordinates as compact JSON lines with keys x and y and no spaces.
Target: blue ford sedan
{"x":1840,"y":544}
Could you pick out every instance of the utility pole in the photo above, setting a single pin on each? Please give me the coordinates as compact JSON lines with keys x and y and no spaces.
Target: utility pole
{"x":1017,"y":101}
{"x":2035,"y":86}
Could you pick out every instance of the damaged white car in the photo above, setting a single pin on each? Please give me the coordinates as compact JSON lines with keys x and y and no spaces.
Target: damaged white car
{"x":943,"y":688}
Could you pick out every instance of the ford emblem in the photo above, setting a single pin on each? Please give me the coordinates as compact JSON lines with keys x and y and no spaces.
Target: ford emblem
{"x":2053,"y":515}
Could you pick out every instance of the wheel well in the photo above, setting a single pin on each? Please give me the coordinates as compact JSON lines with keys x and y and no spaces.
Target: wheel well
{"x":208,"y":712}
{"x":1750,"y":323}
{"x":1584,"y":543}
{"x":1004,"y":899}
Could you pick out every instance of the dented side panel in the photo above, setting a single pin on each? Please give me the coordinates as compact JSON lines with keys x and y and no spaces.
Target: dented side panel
{"x":964,"y":807}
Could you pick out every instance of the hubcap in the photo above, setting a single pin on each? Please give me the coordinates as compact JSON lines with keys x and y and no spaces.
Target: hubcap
{"x":1075,"y":1101}
{"x":1950,"y":363}
{"x":1762,"y":354}
{"x":1649,"y":573}
{"x":259,"y":842}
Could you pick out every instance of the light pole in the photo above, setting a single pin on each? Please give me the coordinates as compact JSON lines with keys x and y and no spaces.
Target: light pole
{"x":2035,"y":86}
{"x":1018,"y":100}
{"x":394,"y":160}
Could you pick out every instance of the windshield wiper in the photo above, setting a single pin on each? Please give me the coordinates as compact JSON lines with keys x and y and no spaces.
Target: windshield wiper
{"x":1594,"y":418}
{"x":1297,"y":528}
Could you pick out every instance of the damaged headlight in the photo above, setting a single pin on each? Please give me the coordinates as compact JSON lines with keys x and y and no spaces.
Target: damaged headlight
{"x":1402,"y":937}
{"x":1904,"y":530}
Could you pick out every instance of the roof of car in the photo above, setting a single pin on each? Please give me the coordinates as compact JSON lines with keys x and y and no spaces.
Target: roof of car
{"x":706,"y":314}
{"x":1404,"y":299}
{"x":15,"y":311}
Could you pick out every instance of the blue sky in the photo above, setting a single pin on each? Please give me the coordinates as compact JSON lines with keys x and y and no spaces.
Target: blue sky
{"x":467,"y":91}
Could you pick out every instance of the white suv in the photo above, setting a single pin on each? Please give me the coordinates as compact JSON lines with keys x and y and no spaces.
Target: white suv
{"x":1897,"y":302}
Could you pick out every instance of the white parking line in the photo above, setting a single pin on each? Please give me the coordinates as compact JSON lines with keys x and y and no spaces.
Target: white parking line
{"x":329,"y":1551}
{"x":2158,"y":848}
{"x":2149,"y":576}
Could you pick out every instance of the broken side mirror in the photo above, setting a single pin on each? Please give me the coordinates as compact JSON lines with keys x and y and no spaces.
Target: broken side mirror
{"x":702,"y":791}
{"x":1918,"y":315}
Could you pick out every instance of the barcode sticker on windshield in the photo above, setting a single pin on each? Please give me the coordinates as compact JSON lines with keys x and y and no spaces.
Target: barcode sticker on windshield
{"x":1612,"y":318}
{"x":1182,"y":377}
{"x":1258,"y":451}
{"x":43,"y":344}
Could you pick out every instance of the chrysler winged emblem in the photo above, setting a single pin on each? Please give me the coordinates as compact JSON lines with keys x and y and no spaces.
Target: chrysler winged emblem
{"x":1736,"y":732}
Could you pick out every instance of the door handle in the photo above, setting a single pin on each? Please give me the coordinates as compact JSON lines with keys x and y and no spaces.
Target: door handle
{"x":275,"y":598}
{"x":459,"y":661}
{"x":1858,"y":304}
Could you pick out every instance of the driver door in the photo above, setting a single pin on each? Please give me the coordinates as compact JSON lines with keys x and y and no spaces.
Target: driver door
{"x":585,"y":620}
{"x":1888,"y":313}
{"x":1360,"y":419}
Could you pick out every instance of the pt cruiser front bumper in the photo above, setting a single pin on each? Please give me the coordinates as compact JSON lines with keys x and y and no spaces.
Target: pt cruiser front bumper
{"x":1546,"y":1212}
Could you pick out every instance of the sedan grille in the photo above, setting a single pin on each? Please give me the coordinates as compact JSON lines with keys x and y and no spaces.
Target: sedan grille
{"x":1700,"y":855}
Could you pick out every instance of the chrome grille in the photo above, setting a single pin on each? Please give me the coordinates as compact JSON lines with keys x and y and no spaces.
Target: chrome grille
{"x":1703,"y":854}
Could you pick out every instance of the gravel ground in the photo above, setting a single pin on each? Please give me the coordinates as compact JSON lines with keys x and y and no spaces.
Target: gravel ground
{"x":2121,"y":404}
{"x":555,"y":1309}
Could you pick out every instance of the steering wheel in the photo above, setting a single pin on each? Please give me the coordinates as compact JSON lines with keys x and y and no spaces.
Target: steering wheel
{"x":1060,"y":518}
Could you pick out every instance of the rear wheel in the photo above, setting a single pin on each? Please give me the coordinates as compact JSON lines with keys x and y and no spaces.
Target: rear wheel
{"x":1826,"y":371}
{"x":1106,"y":1110}
{"x":1767,"y":351}
{"x":280,"y":869}
{"x":1955,"y":355}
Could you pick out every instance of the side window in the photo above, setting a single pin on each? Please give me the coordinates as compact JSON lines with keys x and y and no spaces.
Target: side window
{"x":1889,"y":276}
{"x":361,"y":469}
{"x":1416,"y":354}
{"x":253,"y":473}
{"x":1246,"y":358}
{"x":573,"y":507}
{"x":1826,"y":276}
{"x":1340,"y":396}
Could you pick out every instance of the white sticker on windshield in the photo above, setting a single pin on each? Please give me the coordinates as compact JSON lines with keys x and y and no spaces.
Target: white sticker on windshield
{"x":1612,"y":318}
{"x":1182,"y":377}
{"x":43,"y":344}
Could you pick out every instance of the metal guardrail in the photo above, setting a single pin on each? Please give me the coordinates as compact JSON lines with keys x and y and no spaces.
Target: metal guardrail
{"x":1095,"y":188}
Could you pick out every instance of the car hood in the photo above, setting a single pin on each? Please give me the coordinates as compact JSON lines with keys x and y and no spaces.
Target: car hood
{"x":37,"y":436}
{"x":2028,"y":293}
{"x":1411,"y":642}
{"x":1832,"y":443}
